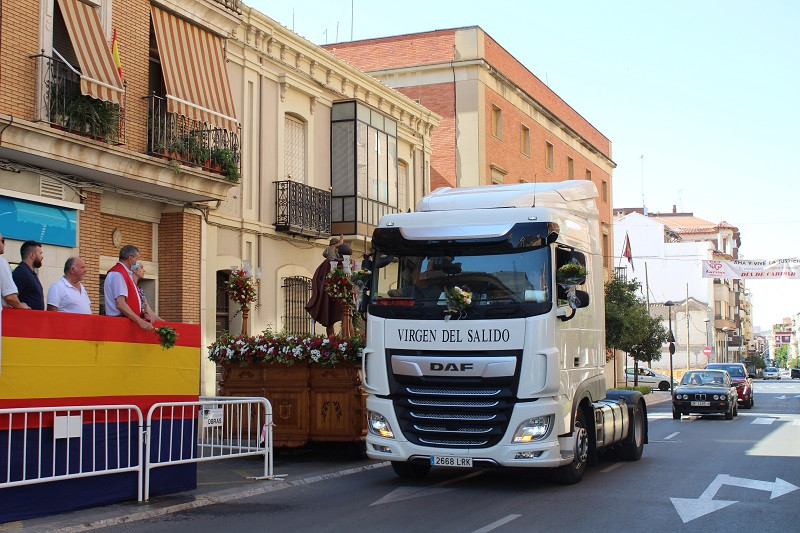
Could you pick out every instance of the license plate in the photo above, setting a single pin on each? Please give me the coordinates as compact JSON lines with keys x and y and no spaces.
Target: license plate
{"x":449,"y":460}
{"x":701,"y":404}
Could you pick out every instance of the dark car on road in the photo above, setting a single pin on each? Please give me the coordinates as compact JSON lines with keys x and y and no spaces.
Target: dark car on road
{"x":795,"y":373}
{"x":705,"y":392}
{"x":741,"y":380}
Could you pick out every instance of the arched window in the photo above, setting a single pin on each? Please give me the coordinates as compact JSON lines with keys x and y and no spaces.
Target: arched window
{"x":294,"y":148}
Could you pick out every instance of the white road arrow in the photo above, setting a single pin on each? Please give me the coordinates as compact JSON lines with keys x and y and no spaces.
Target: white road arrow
{"x":780,"y":397}
{"x":689,"y":508}
{"x":407,"y":493}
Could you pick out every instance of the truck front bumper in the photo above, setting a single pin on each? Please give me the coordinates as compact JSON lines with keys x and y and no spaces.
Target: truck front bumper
{"x":548,"y":452}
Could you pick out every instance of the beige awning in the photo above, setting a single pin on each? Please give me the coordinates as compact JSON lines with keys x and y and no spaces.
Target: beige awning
{"x":193,"y":63}
{"x":99,"y":76}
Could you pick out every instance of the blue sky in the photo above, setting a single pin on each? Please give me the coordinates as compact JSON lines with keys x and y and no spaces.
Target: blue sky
{"x":707,"y":91}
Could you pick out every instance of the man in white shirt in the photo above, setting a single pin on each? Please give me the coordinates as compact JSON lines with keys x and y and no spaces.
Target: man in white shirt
{"x":68,"y":293}
{"x":121,"y":294}
{"x":8,"y":289}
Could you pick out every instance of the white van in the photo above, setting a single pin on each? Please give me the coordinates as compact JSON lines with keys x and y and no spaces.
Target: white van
{"x":648,"y":377}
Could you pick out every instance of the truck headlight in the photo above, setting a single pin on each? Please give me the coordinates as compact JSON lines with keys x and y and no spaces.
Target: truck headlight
{"x":378,"y":425}
{"x":533,"y":429}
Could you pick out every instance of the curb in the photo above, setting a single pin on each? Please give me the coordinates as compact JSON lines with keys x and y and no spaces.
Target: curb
{"x":212,"y":499}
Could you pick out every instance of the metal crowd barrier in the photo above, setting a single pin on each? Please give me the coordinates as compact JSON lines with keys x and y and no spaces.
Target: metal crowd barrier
{"x":215,"y":427}
{"x":56,"y":443}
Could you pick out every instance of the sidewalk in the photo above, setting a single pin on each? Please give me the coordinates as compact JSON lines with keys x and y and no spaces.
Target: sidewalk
{"x":217,"y":482}
{"x":657,"y":397}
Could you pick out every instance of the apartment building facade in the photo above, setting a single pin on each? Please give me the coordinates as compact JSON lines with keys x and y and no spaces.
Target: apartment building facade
{"x":500,"y":123}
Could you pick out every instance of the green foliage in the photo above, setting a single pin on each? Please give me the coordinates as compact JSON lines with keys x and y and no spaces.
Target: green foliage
{"x":629,"y":326}
{"x":782,"y":356}
{"x":82,"y":114}
{"x":226,"y":158}
{"x":758,"y":362}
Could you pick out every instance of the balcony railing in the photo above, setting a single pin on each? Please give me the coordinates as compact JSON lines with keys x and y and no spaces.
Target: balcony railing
{"x":190,"y":142}
{"x":233,"y":5}
{"x":59,"y":102}
{"x":621,"y":274}
{"x":302,"y":210}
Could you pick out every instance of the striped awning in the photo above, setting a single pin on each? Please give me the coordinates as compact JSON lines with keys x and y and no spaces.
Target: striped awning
{"x":193,"y":63}
{"x":99,"y":76}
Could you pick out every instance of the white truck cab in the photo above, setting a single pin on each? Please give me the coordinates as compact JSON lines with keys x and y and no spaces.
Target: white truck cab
{"x":481,"y":348}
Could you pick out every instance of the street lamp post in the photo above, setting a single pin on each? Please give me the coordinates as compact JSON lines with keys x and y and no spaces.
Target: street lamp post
{"x":725,"y":331}
{"x":671,"y":340}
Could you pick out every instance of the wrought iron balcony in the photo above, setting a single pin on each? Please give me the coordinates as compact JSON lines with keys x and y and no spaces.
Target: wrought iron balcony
{"x":233,"y":5}
{"x":60,"y":102}
{"x":302,"y":210}
{"x":621,"y":273}
{"x":190,"y":142}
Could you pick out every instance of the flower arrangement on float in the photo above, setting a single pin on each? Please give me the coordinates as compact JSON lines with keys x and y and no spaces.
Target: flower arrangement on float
{"x":572,"y":273}
{"x":241,"y":288}
{"x":338,"y":286}
{"x":287,"y":349}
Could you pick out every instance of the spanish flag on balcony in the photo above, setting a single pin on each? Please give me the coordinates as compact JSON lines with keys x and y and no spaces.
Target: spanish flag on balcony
{"x":115,"y":53}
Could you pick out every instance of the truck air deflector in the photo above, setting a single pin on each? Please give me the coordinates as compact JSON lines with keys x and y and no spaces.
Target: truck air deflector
{"x":420,"y":240}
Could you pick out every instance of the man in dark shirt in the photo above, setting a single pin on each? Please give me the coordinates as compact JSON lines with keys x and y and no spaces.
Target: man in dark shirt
{"x":30,"y":288}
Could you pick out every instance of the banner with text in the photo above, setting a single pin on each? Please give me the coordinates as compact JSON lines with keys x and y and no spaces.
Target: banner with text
{"x":754,"y":269}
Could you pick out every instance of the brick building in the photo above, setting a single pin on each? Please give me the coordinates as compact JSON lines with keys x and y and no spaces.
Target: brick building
{"x":500,"y":123}
{"x":91,"y":160}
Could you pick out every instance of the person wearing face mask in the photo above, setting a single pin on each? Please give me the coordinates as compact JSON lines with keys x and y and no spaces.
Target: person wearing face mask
{"x":27,"y":281}
{"x":147,"y":312}
{"x":121,"y":294}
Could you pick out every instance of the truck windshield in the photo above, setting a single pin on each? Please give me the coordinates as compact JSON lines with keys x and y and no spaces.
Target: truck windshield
{"x":511,"y":283}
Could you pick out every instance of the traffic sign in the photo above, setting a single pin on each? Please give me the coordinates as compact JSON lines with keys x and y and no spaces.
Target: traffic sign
{"x":707,"y":350}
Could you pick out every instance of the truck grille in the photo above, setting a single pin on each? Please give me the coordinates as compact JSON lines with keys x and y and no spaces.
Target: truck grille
{"x":448,"y":412}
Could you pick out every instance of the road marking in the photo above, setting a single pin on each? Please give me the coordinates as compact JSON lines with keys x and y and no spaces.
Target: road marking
{"x":671,"y":435}
{"x":690,"y":508}
{"x":498,"y":523}
{"x":796,"y":422}
{"x":612,"y":467}
{"x":764,"y":421}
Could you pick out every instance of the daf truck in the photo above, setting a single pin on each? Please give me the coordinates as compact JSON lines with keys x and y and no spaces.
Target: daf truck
{"x":486,"y":338}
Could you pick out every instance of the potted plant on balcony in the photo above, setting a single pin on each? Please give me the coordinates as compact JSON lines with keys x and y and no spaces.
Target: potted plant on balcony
{"x":226,"y":159}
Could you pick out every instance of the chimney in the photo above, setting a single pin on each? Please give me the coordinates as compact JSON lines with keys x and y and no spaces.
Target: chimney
{"x":674,"y":209}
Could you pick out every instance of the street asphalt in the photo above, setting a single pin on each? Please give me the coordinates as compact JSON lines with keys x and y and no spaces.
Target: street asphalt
{"x":226,"y":480}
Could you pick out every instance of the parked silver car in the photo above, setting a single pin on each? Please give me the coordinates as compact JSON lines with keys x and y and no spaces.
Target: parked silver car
{"x":648,"y":377}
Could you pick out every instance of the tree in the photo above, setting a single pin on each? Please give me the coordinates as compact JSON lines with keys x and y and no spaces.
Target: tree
{"x":782,"y":356}
{"x":629,"y":326}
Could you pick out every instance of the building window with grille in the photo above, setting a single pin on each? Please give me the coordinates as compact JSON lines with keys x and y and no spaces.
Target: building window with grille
{"x":294,"y":148}
{"x":222,"y":302}
{"x":548,"y":156}
{"x":296,"y":293}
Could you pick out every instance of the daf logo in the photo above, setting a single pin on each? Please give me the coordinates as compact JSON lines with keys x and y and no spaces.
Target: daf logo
{"x":451,"y":367}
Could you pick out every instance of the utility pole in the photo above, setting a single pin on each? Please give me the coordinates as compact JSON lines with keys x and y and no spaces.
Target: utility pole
{"x":688,"y":344}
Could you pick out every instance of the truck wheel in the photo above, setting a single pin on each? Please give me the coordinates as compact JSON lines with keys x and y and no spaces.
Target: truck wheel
{"x":409,"y":469}
{"x":573,"y":472}
{"x":633,"y":445}
{"x":663,"y":386}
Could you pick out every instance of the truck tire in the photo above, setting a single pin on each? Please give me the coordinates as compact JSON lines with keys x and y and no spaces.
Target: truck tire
{"x":573,"y":472}
{"x":631,"y":448}
{"x":663,"y":386}
{"x":411,"y":469}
